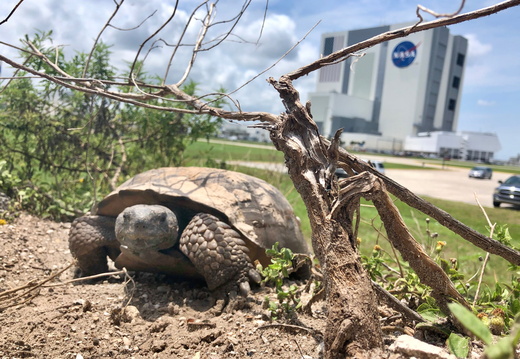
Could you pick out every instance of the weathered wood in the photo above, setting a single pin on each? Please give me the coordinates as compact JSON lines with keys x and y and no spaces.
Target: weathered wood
{"x":353,"y":328}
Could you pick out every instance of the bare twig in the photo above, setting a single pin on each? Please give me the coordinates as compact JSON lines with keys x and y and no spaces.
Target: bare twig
{"x":181,"y":37}
{"x":290,"y":327}
{"x":132,"y":68}
{"x":44,"y":58}
{"x":11,"y":13}
{"x":28,"y":294}
{"x":486,"y":259}
{"x":205,"y":26}
{"x":274,"y":63}
{"x":91,"y":277}
{"x":437,"y":15}
{"x":87,"y":63}
{"x":396,"y":304}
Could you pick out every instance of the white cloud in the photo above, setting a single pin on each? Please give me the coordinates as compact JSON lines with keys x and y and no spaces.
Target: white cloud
{"x":477,"y":48}
{"x":486,"y":103}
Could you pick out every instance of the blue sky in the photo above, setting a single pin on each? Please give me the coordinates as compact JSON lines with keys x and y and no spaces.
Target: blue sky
{"x":491,"y":92}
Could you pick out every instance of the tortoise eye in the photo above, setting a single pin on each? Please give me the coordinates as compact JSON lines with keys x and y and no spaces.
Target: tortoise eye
{"x":162,"y":218}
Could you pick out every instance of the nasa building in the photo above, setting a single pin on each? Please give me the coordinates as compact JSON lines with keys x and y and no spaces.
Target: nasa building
{"x":400,"y":92}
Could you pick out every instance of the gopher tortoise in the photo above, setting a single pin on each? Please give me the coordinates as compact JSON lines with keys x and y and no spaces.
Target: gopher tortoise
{"x":188,"y":222}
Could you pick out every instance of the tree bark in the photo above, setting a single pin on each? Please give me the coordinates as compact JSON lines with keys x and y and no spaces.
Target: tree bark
{"x":353,"y":328}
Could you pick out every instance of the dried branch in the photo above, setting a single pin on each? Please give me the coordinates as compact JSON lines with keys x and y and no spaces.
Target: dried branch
{"x":44,"y":58}
{"x":235,"y":20}
{"x":181,"y":37}
{"x":276,"y":62}
{"x":437,"y":15}
{"x":486,"y":259}
{"x":152,"y":36}
{"x":206,"y":23}
{"x":27,"y":290}
{"x":11,"y":13}
{"x":198,"y":107}
{"x":116,"y":10}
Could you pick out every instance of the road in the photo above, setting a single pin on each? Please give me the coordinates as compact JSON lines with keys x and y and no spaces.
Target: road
{"x":450,"y":183}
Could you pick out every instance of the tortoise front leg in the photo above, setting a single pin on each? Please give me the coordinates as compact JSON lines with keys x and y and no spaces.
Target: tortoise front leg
{"x":91,"y":240}
{"x":218,"y":253}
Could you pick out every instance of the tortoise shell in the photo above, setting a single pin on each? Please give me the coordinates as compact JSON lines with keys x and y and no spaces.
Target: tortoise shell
{"x":252,"y":206}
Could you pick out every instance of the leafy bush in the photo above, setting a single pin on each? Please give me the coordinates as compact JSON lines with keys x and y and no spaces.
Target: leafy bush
{"x":67,"y":149}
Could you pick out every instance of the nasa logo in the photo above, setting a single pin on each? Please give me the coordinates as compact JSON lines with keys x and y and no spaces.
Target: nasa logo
{"x":404,"y":53}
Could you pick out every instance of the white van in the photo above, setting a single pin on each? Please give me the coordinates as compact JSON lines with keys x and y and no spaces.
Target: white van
{"x":378,"y":165}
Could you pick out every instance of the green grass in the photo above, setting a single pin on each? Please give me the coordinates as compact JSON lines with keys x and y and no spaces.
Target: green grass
{"x":402,"y":166}
{"x":228,"y":152}
{"x":199,"y":152}
{"x":469,"y":165}
{"x":468,"y":256}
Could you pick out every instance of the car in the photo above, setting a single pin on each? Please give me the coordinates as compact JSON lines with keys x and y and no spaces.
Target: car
{"x":341,"y":173}
{"x":480,"y":172}
{"x":378,"y":165}
{"x":507,"y":192}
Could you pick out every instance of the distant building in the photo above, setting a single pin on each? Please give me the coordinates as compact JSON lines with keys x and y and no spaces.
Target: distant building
{"x":470,"y":146}
{"x":400,"y":88}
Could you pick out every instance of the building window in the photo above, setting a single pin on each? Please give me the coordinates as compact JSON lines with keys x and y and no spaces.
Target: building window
{"x":456,"y":82}
{"x":460,"y":59}
{"x":329,"y":46}
{"x":451,"y":105}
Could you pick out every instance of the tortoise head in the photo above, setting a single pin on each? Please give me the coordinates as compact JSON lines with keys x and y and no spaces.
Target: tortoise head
{"x":146,"y":228}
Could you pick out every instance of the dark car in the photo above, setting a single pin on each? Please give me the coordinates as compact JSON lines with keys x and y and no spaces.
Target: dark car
{"x":507,"y":192}
{"x":481,"y":172}
{"x":341,"y":173}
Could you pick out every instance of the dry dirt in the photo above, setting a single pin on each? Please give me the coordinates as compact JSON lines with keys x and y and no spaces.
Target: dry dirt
{"x":151,"y":316}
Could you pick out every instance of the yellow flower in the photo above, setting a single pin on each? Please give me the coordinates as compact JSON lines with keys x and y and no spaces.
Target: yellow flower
{"x":440,"y":245}
{"x":81,"y":180}
{"x":3,"y":222}
{"x":377,"y":247}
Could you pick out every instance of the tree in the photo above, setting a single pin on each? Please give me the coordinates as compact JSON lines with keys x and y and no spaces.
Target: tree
{"x":352,"y":324}
{"x":52,"y":136}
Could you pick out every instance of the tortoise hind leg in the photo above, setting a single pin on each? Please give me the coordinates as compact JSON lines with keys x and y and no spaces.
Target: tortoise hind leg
{"x":91,"y":240}
{"x":218,"y":253}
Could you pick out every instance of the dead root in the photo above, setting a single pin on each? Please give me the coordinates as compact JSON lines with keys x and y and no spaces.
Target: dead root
{"x":26,"y":293}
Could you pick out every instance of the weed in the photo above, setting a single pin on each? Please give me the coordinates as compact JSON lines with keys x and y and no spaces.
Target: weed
{"x":484,"y":328}
{"x":282,"y":265}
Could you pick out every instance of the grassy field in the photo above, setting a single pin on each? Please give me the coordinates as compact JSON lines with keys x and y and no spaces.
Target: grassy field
{"x":199,"y":152}
{"x":203,"y":150}
{"x":468,"y":256}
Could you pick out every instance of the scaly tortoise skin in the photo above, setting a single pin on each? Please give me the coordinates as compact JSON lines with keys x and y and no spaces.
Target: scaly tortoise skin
{"x":225,"y":221}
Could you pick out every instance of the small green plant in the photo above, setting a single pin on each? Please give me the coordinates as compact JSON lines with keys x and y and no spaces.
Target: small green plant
{"x":282,"y":265}
{"x":484,"y":329}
